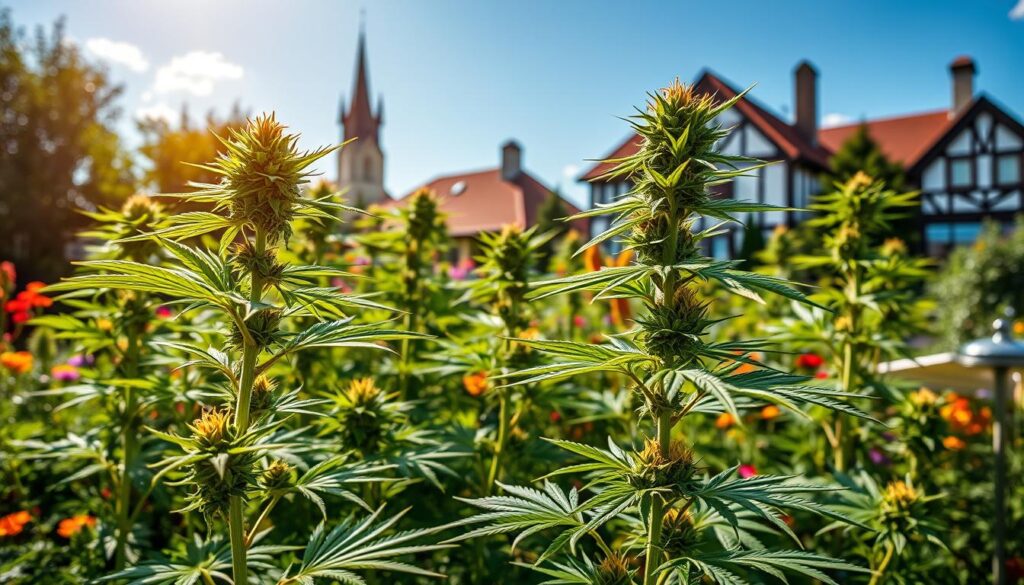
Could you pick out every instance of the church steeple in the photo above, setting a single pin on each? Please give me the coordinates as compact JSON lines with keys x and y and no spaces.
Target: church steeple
{"x":361,"y":162}
{"x":360,"y":121}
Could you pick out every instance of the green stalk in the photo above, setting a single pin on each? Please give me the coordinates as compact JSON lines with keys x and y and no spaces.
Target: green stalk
{"x":250,"y":353}
{"x":130,"y":446}
{"x":876,"y":575}
{"x":412,"y":264}
{"x":499,"y":447}
{"x":657,"y":506}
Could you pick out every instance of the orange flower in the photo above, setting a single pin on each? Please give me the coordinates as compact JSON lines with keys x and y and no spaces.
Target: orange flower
{"x":769,"y":412}
{"x":19,"y":362}
{"x":12,"y":524}
{"x":953,"y":443}
{"x":69,"y":527}
{"x":725,"y":420}
{"x":475,"y":383}
{"x":592,"y":259}
{"x":104,"y":324}
{"x":923,"y":397}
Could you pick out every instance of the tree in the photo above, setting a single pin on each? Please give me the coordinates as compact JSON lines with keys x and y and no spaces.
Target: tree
{"x":753,"y":240}
{"x":168,"y":149}
{"x":549,"y":216}
{"x":61,"y":153}
{"x":860,"y":152}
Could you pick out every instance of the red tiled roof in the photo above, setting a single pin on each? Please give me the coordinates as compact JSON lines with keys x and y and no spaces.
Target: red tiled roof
{"x":903,"y":139}
{"x":486,"y":202}
{"x":784,"y":135}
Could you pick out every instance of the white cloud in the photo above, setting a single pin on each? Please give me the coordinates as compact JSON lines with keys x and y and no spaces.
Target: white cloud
{"x":1017,"y":13}
{"x":119,"y":53}
{"x":196,"y":73}
{"x":570,"y":172}
{"x":835,"y":119}
{"x":159,"y":111}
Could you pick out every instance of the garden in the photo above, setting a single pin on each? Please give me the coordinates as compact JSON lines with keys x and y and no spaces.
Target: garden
{"x":251,"y":381}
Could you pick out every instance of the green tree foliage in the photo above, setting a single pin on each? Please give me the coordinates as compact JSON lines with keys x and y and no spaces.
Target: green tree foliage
{"x":979,"y":282}
{"x":165,"y":147}
{"x":60,"y":151}
{"x":860,"y":152}
{"x":549,"y":219}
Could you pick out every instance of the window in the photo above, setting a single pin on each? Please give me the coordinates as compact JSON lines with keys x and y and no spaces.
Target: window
{"x":1008,"y":169}
{"x":961,"y":172}
{"x":720,"y":247}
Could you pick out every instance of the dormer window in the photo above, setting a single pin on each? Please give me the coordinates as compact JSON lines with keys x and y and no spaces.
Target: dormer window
{"x":1008,"y":169}
{"x":961,"y":172}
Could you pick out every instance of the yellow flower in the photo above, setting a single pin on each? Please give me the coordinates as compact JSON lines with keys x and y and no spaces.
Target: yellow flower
{"x":18,"y":362}
{"x":104,"y":324}
{"x":923,"y":397}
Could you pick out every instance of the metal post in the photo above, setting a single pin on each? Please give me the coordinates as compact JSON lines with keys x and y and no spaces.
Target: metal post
{"x":999,"y":436}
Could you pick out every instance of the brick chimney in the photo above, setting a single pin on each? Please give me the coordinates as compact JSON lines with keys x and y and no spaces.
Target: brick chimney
{"x":511,"y":160}
{"x":805,"y":99}
{"x":962,"y":69}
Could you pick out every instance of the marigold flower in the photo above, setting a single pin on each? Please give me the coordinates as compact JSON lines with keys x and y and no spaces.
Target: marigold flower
{"x":923,"y":397}
{"x":12,"y":524}
{"x":475,"y":383}
{"x":747,"y":470}
{"x":770,"y":412}
{"x":64,"y":373}
{"x":69,"y":527}
{"x":810,"y":361}
{"x":18,"y":362}
{"x":953,"y":443}
{"x":725,"y":420}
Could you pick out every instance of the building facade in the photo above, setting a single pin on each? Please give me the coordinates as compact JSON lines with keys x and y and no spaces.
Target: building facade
{"x":966,"y":160}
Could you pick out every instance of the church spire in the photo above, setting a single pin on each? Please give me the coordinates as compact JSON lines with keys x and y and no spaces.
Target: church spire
{"x":359,"y":120}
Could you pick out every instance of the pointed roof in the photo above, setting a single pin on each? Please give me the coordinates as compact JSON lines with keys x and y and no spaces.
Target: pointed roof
{"x":785,"y":136}
{"x":902,"y":139}
{"x":359,"y":121}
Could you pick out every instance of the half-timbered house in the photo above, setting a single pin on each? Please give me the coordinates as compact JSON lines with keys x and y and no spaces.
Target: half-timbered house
{"x":966,"y":161}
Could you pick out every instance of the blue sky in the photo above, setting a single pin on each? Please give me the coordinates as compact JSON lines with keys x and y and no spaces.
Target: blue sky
{"x":459,"y":77}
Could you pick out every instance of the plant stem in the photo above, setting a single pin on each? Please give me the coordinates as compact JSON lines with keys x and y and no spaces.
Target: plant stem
{"x":499,"y":446}
{"x":250,"y":353}
{"x":657,"y":505}
{"x":263,"y":515}
{"x":129,"y":446}
{"x":876,"y":575}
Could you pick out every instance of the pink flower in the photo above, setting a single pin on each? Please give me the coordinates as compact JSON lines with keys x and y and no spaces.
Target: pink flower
{"x":64,"y":373}
{"x":746,"y":470}
{"x":164,"y":312}
{"x":579,"y":321}
{"x":80,"y":360}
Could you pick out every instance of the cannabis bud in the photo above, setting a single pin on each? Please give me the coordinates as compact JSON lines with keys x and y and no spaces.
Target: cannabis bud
{"x":263,"y":172}
{"x":262,"y":394}
{"x":247,"y":260}
{"x":678,"y":534}
{"x":139,"y":215}
{"x":277,"y":477}
{"x":363,"y":415}
{"x":614,"y":570}
{"x":424,"y":217}
{"x":219,"y":474}
{"x":653,"y":470}
{"x":263,"y":327}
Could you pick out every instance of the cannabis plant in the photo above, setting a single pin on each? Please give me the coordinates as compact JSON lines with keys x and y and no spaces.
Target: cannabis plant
{"x":867,"y":289}
{"x":650,"y":506}
{"x":236,"y":456}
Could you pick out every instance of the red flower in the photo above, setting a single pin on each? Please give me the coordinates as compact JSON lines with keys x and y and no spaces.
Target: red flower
{"x":555,"y":416}
{"x":809,"y":361}
{"x":746,"y":470}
